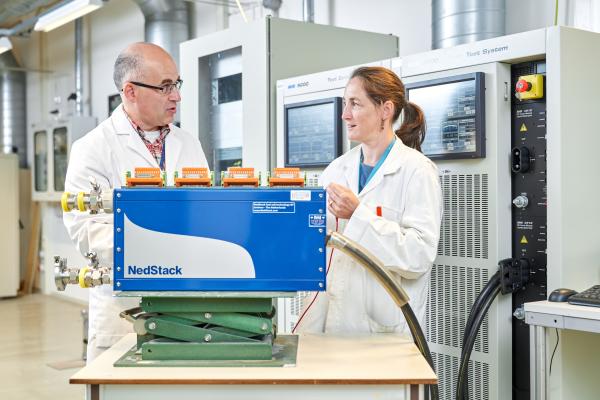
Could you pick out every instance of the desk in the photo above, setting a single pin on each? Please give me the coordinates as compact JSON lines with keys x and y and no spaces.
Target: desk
{"x":545,"y":314}
{"x":335,"y":367}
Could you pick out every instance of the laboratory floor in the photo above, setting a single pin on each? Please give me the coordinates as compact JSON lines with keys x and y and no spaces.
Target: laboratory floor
{"x":40,"y":348}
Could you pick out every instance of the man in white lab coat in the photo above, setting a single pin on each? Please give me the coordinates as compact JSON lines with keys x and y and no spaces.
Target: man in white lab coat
{"x":139,"y":133}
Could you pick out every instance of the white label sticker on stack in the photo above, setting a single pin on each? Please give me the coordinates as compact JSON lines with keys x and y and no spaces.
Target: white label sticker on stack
{"x":300,"y":195}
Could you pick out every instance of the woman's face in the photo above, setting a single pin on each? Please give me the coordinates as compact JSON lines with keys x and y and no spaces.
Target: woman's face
{"x":361,"y":115}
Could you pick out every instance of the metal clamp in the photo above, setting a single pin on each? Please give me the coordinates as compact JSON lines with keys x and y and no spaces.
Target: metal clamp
{"x":138,"y":318}
{"x":90,"y":276}
{"x":94,"y":201}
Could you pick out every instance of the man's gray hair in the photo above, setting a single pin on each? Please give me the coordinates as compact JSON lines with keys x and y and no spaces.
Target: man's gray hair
{"x":128,"y":66}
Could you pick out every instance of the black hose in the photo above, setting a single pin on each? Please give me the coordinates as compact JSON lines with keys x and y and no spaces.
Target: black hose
{"x":463,"y":384}
{"x":420,"y":341}
{"x":475,"y":309}
{"x":489,"y":287}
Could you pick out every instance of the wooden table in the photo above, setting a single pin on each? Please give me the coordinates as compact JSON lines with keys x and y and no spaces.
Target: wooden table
{"x":335,"y":367}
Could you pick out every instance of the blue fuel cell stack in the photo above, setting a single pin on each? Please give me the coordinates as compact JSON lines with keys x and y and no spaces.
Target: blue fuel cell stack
{"x":219,"y":239}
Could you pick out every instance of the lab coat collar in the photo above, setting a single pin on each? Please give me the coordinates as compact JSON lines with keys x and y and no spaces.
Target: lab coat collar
{"x":351,"y":169}
{"x":392,"y":164}
{"x":173,"y":149}
{"x":122,"y":126}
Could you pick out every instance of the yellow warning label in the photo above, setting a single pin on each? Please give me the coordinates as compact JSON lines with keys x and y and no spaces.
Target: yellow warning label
{"x":523,"y":128}
{"x":524,"y":240}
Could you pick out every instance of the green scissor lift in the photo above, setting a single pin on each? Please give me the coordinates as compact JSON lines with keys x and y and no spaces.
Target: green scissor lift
{"x":207,"y":328}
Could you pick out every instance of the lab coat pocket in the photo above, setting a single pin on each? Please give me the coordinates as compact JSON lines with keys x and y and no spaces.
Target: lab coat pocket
{"x":383,"y":313}
{"x":391,"y":213}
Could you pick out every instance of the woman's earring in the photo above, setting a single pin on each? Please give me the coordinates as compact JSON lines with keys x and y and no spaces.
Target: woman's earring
{"x":381,"y":127}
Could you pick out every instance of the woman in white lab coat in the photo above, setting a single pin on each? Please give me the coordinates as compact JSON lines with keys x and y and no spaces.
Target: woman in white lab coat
{"x":384,"y":194}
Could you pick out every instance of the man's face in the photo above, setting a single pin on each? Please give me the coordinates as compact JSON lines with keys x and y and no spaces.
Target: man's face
{"x":154,"y":108}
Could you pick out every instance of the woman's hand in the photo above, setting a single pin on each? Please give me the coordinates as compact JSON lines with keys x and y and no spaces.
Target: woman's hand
{"x":342,"y":202}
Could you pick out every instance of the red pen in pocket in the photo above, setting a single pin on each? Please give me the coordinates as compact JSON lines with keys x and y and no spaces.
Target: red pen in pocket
{"x":378,"y":211}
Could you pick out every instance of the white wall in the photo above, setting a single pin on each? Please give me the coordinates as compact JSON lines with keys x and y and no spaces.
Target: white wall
{"x":112,"y":28}
{"x":526,"y":15}
{"x":409,"y":20}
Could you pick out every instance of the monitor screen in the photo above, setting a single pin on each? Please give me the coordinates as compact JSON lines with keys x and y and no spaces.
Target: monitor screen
{"x":313,"y":132}
{"x":455,"y":115}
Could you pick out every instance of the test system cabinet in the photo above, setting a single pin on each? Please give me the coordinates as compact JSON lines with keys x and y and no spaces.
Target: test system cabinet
{"x":483,"y":211}
{"x":49,"y":148}
{"x":263,"y":51}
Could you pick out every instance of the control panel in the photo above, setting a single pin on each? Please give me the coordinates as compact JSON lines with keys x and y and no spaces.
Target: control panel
{"x":529,"y":203}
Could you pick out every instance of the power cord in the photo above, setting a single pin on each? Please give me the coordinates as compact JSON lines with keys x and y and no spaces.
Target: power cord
{"x":554,"y":351}
{"x":512,"y":275}
{"x":462,"y":385}
{"x":317,"y":294}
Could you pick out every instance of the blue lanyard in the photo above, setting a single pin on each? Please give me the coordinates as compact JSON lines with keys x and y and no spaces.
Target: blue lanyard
{"x":379,"y":163}
{"x":162,"y":155}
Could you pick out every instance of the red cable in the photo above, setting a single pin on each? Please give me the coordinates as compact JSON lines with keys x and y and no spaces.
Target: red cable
{"x":317,"y":294}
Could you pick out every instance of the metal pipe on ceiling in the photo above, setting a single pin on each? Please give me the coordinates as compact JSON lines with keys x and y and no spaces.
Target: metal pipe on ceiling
{"x":456,"y":22}
{"x":166,"y":23}
{"x":308,"y":11}
{"x":79,"y":67}
{"x":13,"y":105}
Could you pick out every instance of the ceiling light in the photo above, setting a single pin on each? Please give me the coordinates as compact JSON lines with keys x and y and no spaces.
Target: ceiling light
{"x":5,"y":44}
{"x":66,"y":13}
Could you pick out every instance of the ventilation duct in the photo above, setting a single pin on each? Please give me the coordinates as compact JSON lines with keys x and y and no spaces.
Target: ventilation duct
{"x":308,"y":11}
{"x":79,"y":67}
{"x":13,"y":132}
{"x":166,"y":23}
{"x":273,"y":5}
{"x":456,"y":22}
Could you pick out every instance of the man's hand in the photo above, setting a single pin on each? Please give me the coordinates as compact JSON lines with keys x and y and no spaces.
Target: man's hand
{"x":342,"y":202}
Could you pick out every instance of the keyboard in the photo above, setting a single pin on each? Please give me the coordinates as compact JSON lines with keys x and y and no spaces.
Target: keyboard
{"x":589,"y":297}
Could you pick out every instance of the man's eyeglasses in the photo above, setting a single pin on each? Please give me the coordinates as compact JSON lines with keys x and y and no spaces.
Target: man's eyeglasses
{"x":164,"y":89}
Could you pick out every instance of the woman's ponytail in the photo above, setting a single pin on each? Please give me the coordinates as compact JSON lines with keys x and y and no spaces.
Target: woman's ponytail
{"x":412,"y":130}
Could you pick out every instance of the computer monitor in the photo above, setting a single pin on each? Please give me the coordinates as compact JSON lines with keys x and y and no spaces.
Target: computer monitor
{"x":313,"y":132}
{"x":454,"y":110}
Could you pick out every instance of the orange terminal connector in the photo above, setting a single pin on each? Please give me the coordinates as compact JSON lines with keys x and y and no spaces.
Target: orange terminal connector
{"x":286,"y":177}
{"x":145,"y":177}
{"x":238,"y":176}
{"x":193,"y":177}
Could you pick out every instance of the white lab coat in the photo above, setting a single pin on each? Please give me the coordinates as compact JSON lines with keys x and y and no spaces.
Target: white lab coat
{"x":405,"y":239}
{"x":107,"y":153}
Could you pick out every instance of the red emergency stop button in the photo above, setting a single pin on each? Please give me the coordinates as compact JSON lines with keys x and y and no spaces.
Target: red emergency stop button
{"x":523,"y":86}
